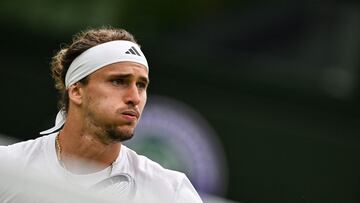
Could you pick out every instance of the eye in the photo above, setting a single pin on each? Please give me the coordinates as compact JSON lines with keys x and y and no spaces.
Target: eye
{"x":118,"y":82}
{"x":141,"y":85}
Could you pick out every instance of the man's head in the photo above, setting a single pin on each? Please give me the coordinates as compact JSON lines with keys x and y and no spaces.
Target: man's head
{"x":81,"y":42}
{"x":109,"y":99}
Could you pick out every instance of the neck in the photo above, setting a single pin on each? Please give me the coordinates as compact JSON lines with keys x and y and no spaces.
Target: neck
{"x":82,"y":153}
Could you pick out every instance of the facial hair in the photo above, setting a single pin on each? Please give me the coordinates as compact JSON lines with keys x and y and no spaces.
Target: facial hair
{"x":107,"y":133}
{"x":118,"y":135}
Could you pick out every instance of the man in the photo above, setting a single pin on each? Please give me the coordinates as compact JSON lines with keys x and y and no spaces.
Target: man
{"x":102,"y":77}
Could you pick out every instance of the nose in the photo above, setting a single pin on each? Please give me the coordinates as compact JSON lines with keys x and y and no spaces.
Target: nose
{"x":132,"y":96}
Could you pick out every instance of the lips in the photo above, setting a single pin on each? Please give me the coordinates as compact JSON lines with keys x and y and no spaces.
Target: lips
{"x":131,"y":114}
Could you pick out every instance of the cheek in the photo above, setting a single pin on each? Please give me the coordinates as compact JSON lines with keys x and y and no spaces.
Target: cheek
{"x":99,"y":102}
{"x":143,"y":102}
{"x":108,"y":103}
{"x":144,"y":98}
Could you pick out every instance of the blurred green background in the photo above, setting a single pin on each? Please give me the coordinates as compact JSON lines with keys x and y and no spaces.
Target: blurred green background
{"x":278,"y":81}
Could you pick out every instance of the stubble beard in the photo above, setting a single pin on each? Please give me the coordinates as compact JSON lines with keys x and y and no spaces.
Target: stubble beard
{"x":117,"y":135}
{"x":107,"y":133}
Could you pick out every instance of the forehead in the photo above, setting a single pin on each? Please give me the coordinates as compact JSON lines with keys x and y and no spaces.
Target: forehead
{"x":122,"y":68}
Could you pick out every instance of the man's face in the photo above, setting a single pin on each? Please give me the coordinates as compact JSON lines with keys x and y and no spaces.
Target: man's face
{"x":113,"y":100}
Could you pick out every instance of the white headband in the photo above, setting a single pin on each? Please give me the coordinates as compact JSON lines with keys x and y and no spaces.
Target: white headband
{"x":92,"y":60}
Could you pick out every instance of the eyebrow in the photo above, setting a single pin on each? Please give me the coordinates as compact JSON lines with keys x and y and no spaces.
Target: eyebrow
{"x":128,"y":75}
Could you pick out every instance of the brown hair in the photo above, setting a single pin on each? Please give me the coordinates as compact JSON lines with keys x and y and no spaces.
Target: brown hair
{"x":81,"y":42}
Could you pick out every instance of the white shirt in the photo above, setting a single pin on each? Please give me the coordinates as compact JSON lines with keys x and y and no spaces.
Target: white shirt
{"x":131,"y":175}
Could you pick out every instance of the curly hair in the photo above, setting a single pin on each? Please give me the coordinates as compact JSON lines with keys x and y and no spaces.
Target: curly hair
{"x":81,"y":42}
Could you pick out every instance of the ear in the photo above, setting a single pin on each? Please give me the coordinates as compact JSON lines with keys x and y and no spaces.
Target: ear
{"x":76,"y":93}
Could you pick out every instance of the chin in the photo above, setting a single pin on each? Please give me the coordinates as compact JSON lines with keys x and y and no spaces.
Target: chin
{"x":120,"y":134}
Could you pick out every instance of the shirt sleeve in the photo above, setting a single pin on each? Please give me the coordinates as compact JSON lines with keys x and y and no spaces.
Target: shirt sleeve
{"x":186,"y":193}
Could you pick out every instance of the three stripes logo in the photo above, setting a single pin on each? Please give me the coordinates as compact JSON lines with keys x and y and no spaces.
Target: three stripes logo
{"x":133,"y":51}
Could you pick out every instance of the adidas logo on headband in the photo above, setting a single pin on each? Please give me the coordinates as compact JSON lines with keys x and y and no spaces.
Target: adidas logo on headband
{"x":133,"y":51}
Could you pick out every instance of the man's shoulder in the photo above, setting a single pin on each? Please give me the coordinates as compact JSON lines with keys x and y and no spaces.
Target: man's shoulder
{"x":151,"y":178}
{"x":149,"y":170}
{"x":24,"y":148}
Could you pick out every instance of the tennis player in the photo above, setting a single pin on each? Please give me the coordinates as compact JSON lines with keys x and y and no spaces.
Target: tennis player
{"x":102,"y":77}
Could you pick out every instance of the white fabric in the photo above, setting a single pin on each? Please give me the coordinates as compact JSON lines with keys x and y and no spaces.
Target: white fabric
{"x":92,"y":60}
{"x":59,"y":122}
{"x":103,"y":55}
{"x":143,"y":179}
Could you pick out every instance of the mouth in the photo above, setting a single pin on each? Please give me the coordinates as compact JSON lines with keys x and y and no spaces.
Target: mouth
{"x":130,"y":115}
